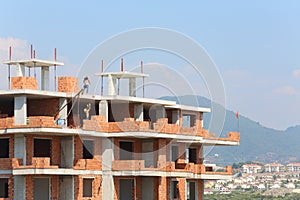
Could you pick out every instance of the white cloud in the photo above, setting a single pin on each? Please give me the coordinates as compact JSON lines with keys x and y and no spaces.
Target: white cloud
{"x":296,"y":73}
{"x":285,"y":90}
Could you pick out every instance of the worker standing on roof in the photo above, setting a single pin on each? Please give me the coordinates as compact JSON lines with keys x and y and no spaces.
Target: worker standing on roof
{"x":86,"y":83}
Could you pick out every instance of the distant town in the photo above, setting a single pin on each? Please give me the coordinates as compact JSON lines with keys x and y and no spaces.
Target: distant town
{"x":272,"y":179}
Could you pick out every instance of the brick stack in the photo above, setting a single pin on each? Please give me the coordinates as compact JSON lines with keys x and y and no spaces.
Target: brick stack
{"x":24,"y":82}
{"x":88,"y":164}
{"x":68,"y":84}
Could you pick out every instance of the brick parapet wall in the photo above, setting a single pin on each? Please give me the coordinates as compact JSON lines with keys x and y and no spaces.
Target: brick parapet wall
{"x":68,"y":84}
{"x":24,"y":82}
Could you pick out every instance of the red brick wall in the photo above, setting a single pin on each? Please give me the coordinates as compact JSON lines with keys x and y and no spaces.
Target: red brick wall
{"x":54,"y":186}
{"x":42,"y":107}
{"x":200,"y":189}
{"x":96,"y":187}
{"x":162,"y":188}
{"x":91,"y":164}
{"x":55,"y":148}
{"x":137,"y":192}
{"x":24,"y":82}
{"x":68,"y":84}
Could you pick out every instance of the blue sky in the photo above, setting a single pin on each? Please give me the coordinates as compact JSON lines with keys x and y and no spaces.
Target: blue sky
{"x":255,"y":44}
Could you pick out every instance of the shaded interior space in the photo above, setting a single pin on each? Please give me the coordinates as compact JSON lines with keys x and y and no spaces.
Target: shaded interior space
{"x":42,"y":106}
{"x":174,"y":153}
{"x":153,"y":112}
{"x":126,"y":150}
{"x":41,"y":188}
{"x":4,"y":148}
{"x":118,"y":111}
{"x":192,"y":158}
{"x":79,"y":110}
{"x":126,"y":189}
{"x":3,"y":187}
{"x":147,"y":188}
{"x":191,"y":190}
{"x":42,"y":147}
{"x":88,"y":149}
{"x":6,"y":107}
{"x":88,"y":187}
{"x":174,"y":191}
{"x":148,"y":153}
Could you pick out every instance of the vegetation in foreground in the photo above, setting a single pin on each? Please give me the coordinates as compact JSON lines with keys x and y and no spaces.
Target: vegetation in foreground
{"x":250,"y":196}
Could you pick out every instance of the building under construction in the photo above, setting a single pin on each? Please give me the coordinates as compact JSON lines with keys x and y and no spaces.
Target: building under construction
{"x":66,"y":144}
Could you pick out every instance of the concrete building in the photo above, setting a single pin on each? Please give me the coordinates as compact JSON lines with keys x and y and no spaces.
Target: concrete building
{"x":274,"y":167}
{"x":66,"y":145}
{"x":251,"y":168}
{"x":293,"y":167}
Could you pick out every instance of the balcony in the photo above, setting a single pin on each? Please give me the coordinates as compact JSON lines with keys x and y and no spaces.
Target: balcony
{"x":197,"y":169}
{"x":32,"y":122}
{"x":88,"y":164}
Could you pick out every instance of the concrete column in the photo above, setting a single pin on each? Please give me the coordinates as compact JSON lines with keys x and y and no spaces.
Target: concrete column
{"x":132,"y":87}
{"x":20,"y":70}
{"x":19,"y":187}
{"x":64,"y":112}
{"x":66,"y":187}
{"x":175,"y":117}
{"x":20,"y":110}
{"x":107,"y":178}
{"x":139,"y":112}
{"x":67,"y":152}
{"x":112,"y":87}
{"x":20,"y":147}
{"x":160,"y":112}
{"x":103,"y":109}
{"x":45,"y":78}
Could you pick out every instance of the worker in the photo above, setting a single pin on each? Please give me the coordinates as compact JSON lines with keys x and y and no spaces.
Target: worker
{"x":86,"y":84}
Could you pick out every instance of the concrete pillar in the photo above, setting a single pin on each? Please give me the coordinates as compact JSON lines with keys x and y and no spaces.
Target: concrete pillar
{"x":112,"y":87}
{"x":175,"y":117}
{"x":160,"y":112}
{"x":103,"y":109}
{"x":19,"y":187}
{"x":20,"y":147}
{"x":20,"y":110}
{"x":64,"y":112}
{"x":139,"y":112}
{"x":67,"y":151}
{"x":20,"y":70}
{"x":132,"y":87}
{"x":66,"y":187}
{"x":107,"y":178}
{"x":45,"y":78}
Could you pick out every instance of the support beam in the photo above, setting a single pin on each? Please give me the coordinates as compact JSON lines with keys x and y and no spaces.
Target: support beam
{"x":63,"y":113}
{"x":66,"y":187}
{"x":45,"y":78}
{"x":103,"y":109}
{"x":20,"y":70}
{"x":20,"y":110}
{"x":20,"y":147}
{"x":138,"y":112}
{"x":107,"y":178}
{"x":19,"y":187}
{"x":112,"y":87}
{"x":67,"y":151}
{"x":132,"y":87}
{"x":175,"y":117}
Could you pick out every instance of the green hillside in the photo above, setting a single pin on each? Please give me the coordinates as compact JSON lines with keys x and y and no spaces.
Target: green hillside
{"x":258,"y":143}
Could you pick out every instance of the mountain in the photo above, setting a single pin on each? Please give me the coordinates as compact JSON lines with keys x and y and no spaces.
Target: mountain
{"x":258,"y":143}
